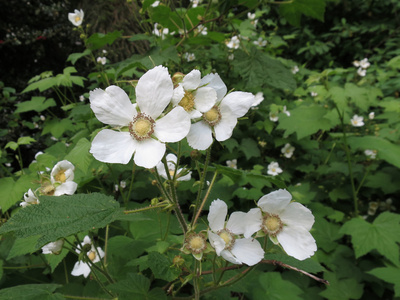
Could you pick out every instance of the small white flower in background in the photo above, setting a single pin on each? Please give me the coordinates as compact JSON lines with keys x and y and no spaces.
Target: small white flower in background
{"x":232,"y":163}
{"x":372,"y":207}
{"x":181,"y":174}
{"x":287,"y":223}
{"x":8,"y":164}
{"x":81,"y":98}
{"x":189,"y":56}
{"x":371,"y":115}
{"x":155,"y":3}
{"x":260,"y":42}
{"x":202,"y":29}
{"x":37,"y":154}
{"x":273,"y":117}
{"x":159,"y":31}
{"x":288,"y":150}
{"x":295,"y":69}
{"x":364,"y":63}
{"x":357,"y":121}
{"x":29,"y":198}
{"x":387,"y":205}
{"x":104,"y":51}
{"x":356,"y":63}
{"x":361,"y":72}
{"x":54,"y":138}
{"x":53,"y":247}
{"x":371,"y":154}
{"x":116,"y":187}
{"x":285,"y":111}
{"x":234,"y":42}
{"x":314,"y":94}
{"x":258,"y":98}
{"x":76,"y":17}
{"x":61,"y":180}
{"x":195,"y":2}
{"x":225,"y":238}
{"x":101,"y":60}
{"x":274,"y":169}
{"x":83,"y":268}
{"x":148,"y":128}
{"x":122,"y":184}
{"x":251,"y":16}
{"x":231,"y":56}
{"x":42,"y":117}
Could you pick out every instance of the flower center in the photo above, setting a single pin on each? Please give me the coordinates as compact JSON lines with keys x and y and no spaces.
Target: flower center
{"x":77,"y":19}
{"x":196,"y":243}
{"x":213,"y":116}
{"x":48,"y":190}
{"x":142,"y":127}
{"x":92,"y":255}
{"x":272,"y":224}
{"x":187,"y":101}
{"x":60,"y":176}
{"x":228,"y":238}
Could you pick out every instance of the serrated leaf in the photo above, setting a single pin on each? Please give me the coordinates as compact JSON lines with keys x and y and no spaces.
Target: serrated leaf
{"x":11,"y":145}
{"x":382,"y":235}
{"x":31,"y":292}
{"x":41,"y":85}
{"x":73,"y":57}
{"x":389,"y":274}
{"x":62,"y":216}
{"x":342,"y":289}
{"x":250,"y":148}
{"x":37,"y":104}
{"x":99,"y":40}
{"x":161,"y":267}
{"x":295,"y":9}
{"x":275,"y":288}
{"x":25,"y":140}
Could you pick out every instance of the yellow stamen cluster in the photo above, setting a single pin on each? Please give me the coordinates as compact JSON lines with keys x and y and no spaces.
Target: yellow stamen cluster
{"x":48,"y":190}
{"x":272,"y":224}
{"x":142,"y":127}
{"x":187,"y":101}
{"x":92,"y":255}
{"x":213,"y":116}
{"x":77,"y":19}
{"x":60,"y":176}
{"x":196,"y":243}
{"x":228,"y":238}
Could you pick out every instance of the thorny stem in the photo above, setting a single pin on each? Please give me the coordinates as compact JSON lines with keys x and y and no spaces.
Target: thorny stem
{"x":133,"y":211}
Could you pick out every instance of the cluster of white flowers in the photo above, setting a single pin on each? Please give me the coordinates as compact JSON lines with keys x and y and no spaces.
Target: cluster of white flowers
{"x":189,"y":56}
{"x":371,"y":154}
{"x":252,"y":18}
{"x":101,"y":60}
{"x":76,"y":18}
{"x":313,"y":94}
{"x":197,"y":108}
{"x":233,"y":43}
{"x":159,"y":31}
{"x":202,"y":29}
{"x":362,"y":66}
{"x":94,"y":254}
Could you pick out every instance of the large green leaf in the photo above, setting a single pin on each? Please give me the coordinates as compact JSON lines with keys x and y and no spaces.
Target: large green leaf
{"x":273,"y":287}
{"x":389,"y":274}
{"x":59,"y":217}
{"x":13,"y":191}
{"x":293,"y":10}
{"x":80,"y":156}
{"x":75,"y":56}
{"x":31,"y":292}
{"x":99,"y":40}
{"x":37,"y":104}
{"x":343,"y":288}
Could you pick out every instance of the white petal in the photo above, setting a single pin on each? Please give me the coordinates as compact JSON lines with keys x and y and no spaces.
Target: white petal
{"x":171,"y":158}
{"x":154,"y":91}
{"x":297,"y":242}
{"x":204,"y":99}
{"x":67,"y":167}
{"x":215,"y":82}
{"x":86,"y":240}
{"x":113,"y":147}
{"x":245,"y":223}
{"x":238,"y":102}
{"x":173,"y":127}
{"x":227,"y":255}
{"x":178,"y":94}
{"x":67,"y":188}
{"x":200,"y":136}
{"x":248,"y":251}
{"x":195,"y":114}
{"x":275,"y":202}
{"x":186,"y":177}
{"x":217,"y":214}
{"x":237,"y":222}
{"x":224,"y":128}
{"x":112,"y":106}
{"x":216,"y":242}
{"x":161,"y":170}
{"x":81,"y":268}
{"x":254,"y":221}
{"x":149,"y":153}
{"x":297,"y":215}
{"x":192,"y":80}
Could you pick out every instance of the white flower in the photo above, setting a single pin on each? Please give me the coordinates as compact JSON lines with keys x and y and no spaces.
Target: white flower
{"x":42,"y":117}
{"x":76,"y":17}
{"x":371,"y":154}
{"x":288,"y":223}
{"x":273,"y":117}
{"x":104,"y":51}
{"x":314,"y":94}
{"x":61,"y":178}
{"x":260,"y":42}
{"x":53,"y":247}
{"x":116,"y":187}
{"x":29,"y":198}
{"x":83,"y":268}
{"x":364,"y":63}
{"x":194,"y":95}
{"x":122,"y":184}
{"x":285,"y":111}
{"x":155,"y":3}
{"x":190,"y":56}
{"x":231,"y":56}
{"x":361,"y":72}
{"x":202,"y":29}
{"x":225,"y":238}
{"x":295,"y":69}
{"x":234,"y":43}
{"x":195,"y":2}
{"x":357,"y":121}
{"x":356,"y":63}
{"x":288,"y":150}
{"x":251,"y":16}
{"x":371,"y":115}
{"x":221,"y":119}
{"x":81,"y":98}
{"x":159,"y":31}
{"x":101,"y":60}
{"x":232,"y":163}
{"x":258,"y":98}
{"x":148,"y":129}
{"x":171,"y":163}
{"x":274,"y":169}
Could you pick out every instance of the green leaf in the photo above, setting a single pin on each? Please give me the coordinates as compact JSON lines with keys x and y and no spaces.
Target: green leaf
{"x":11,"y":145}
{"x":386,"y":150}
{"x":99,"y":40}
{"x":37,"y":104}
{"x":25,"y":140}
{"x":73,"y":57}
{"x":31,"y":292}
{"x":342,"y":289}
{"x":294,"y":10}
{"x":23,"y":246}
{"x":250,"y":148}
{"x":308,"y":265}
{"x":161,"y":267}
{"x":62,"y":216}
{"x":57,"y":127}
{"x":273,"y":287}
{"x":394,"y":62}
{"x":13,"y":191}
{"x":258,"y":69}
{"x":41,"y":85}
{"x":304,"y":121}
{"x":389,"y":274}
{"x":382,"y":235}
{"x":80,"y":156}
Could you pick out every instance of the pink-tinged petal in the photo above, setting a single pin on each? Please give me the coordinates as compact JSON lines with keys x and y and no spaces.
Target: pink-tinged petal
{"x":238,"y":102}
{"x":224,"y":128}
{"x":81,"y":268}
{"x":178,"y":94}
{"x":149,"y":153}
{"x":173,"y":127}
{"x":227,"y":255}
{"x":297,"y":242}
{"x":248,"y":251}
{"x":216,"y":242}
{"x":200,"y":136}
{"x":217,"y":214}
{"x":215,"y":82}
{"x":113,"y":146}
{"x":112,"y":106}
{"x":297,"y":215}
{"x":204,"y":99}
{"x":154,"y":91}
{"x":192,"y":80}
{"x":275,"y":202}
{"x":67,"y":188}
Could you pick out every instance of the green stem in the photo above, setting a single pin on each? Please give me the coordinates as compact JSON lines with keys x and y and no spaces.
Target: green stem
{"x":196,"y":281}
